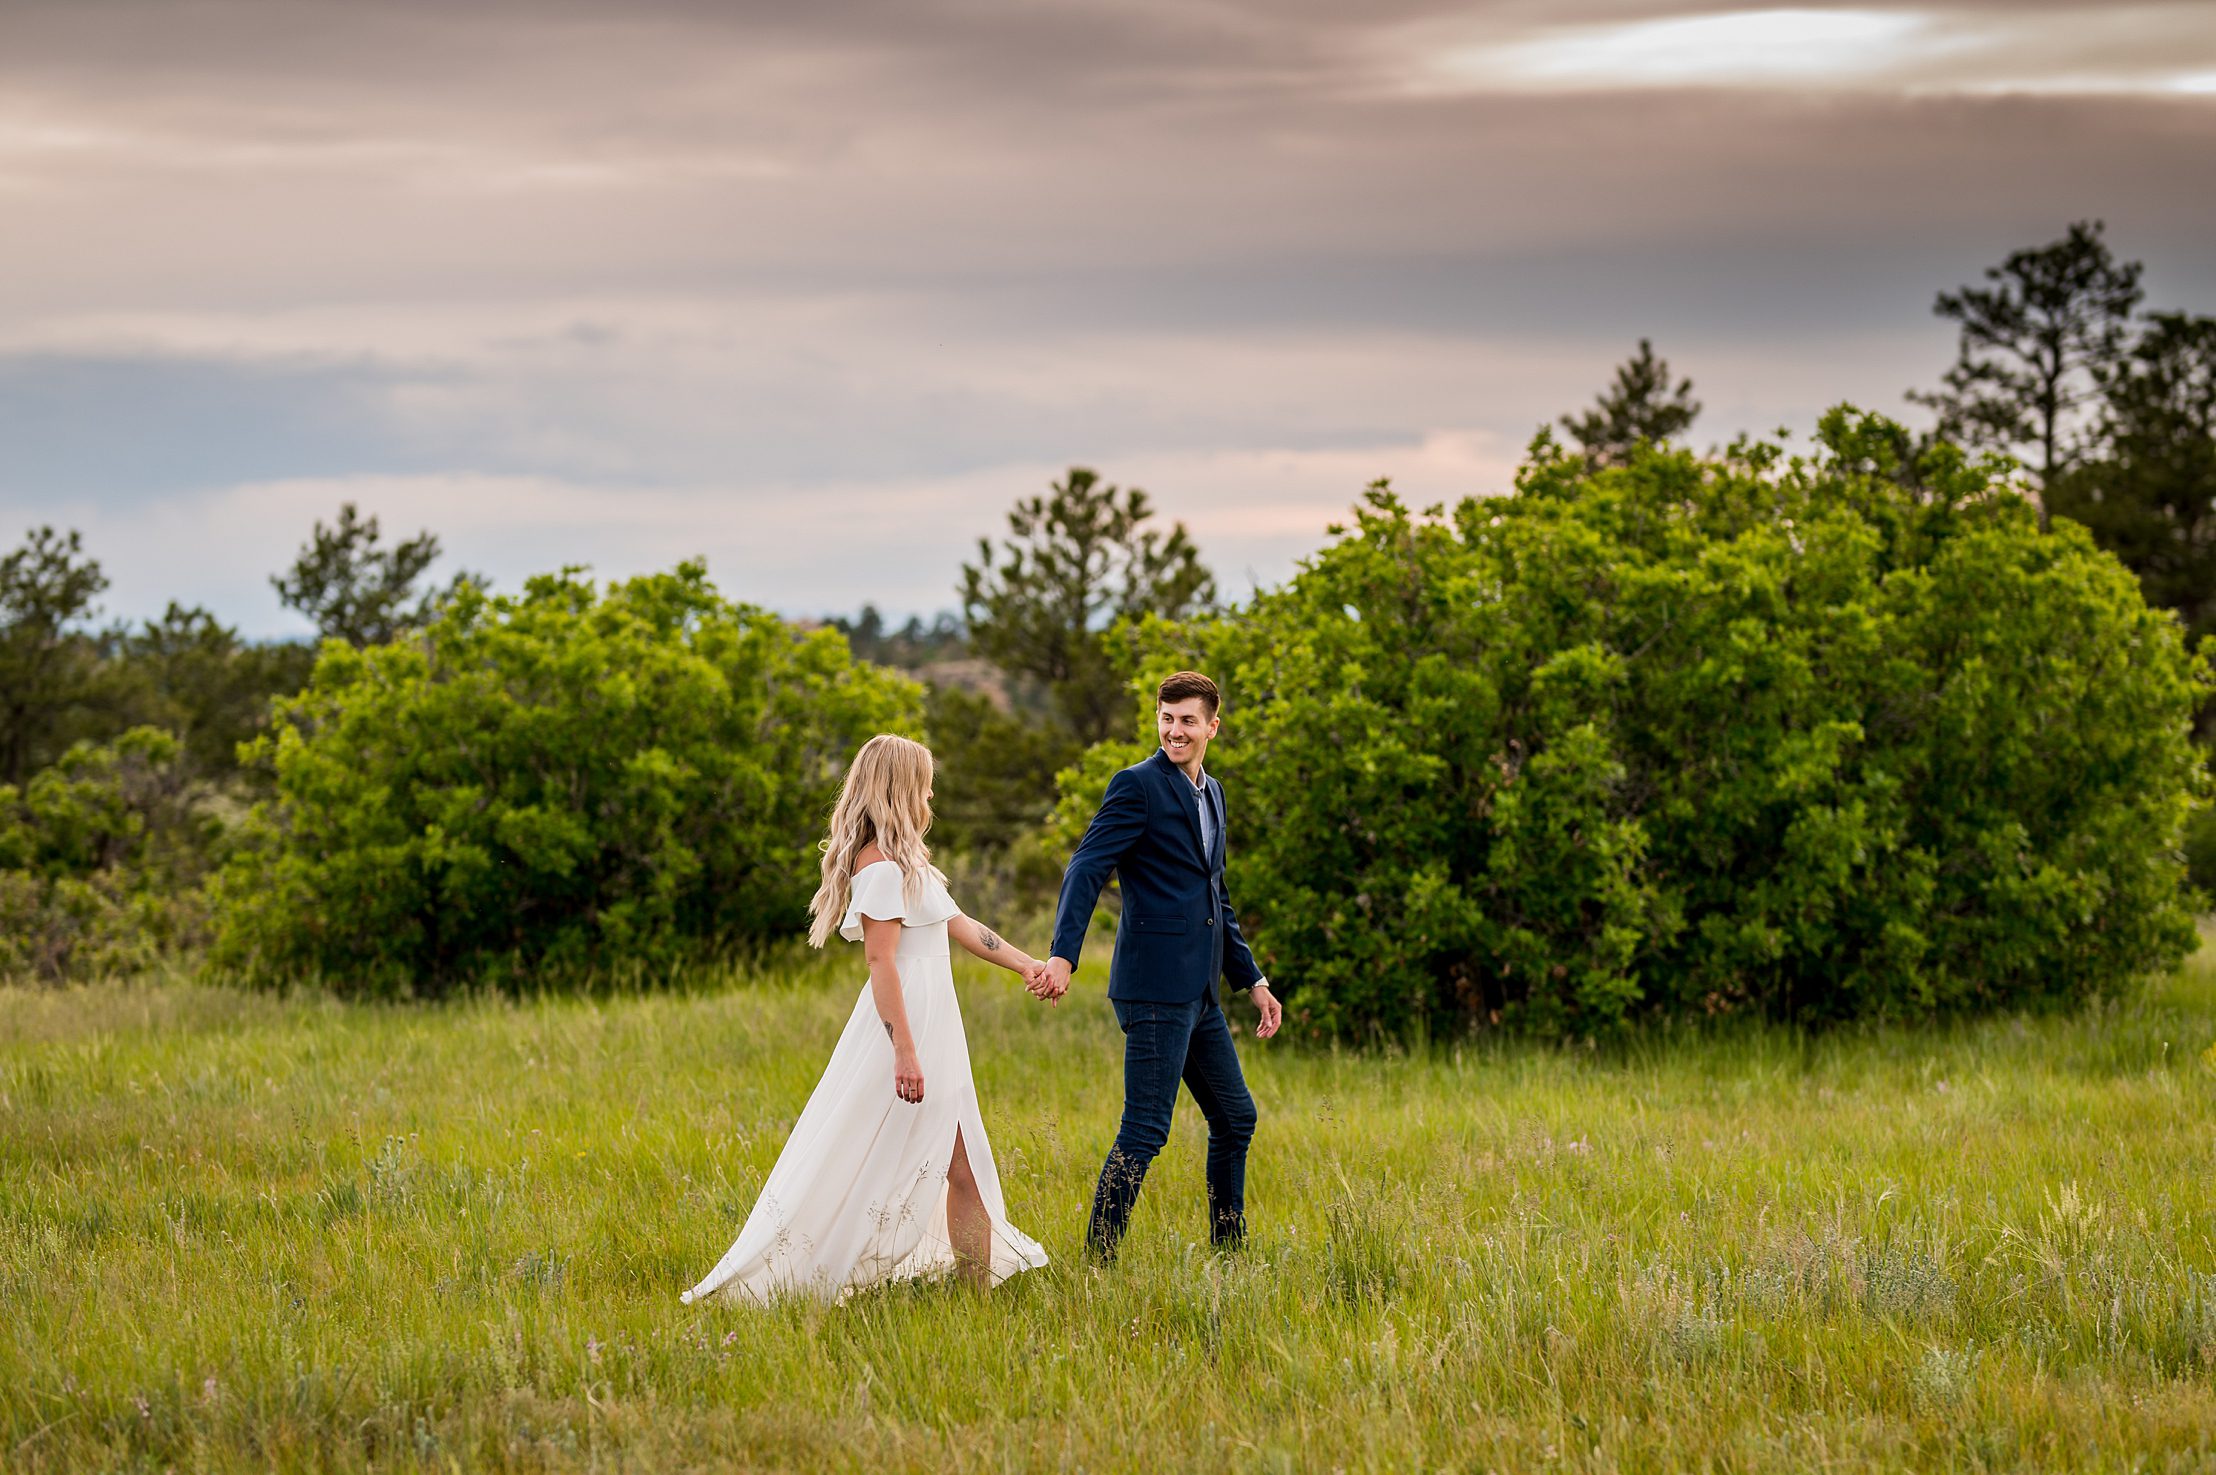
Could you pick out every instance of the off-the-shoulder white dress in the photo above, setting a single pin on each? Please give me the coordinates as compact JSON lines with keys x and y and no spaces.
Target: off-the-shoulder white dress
{"x":858,"y":1196}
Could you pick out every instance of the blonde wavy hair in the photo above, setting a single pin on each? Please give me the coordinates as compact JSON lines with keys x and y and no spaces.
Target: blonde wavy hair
{"x":885,"y":797}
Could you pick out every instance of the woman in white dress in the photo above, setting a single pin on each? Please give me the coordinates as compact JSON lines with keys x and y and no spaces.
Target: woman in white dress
{"x":888,"y":1173}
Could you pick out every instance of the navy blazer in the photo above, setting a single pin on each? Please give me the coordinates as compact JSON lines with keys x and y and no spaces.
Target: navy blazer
{"x":1178,"y":934}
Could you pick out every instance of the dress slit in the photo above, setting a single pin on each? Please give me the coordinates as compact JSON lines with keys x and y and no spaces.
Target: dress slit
{"x":857,"y":1197}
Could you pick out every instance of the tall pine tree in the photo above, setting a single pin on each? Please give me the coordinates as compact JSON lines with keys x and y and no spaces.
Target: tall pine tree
{"x":2033,"y":351}
{"x":1075,"y":562}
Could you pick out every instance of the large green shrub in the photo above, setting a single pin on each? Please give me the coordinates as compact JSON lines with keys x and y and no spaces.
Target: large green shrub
{"x":534,"y":787}
{"x":1816,"y":739}
{"x":101,"y":859}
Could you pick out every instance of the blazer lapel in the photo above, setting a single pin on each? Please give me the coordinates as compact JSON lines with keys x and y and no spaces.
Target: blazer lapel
{"x":1182,"y":795}
{"x":1215,"y":812}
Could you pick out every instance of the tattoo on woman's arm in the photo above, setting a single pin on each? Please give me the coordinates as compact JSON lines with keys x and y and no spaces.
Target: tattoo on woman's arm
{"x":985,"y":936}
{"x":888,"y":1027}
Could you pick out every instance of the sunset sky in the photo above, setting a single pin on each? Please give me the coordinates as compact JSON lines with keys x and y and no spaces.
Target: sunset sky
{"x":817,"y":291}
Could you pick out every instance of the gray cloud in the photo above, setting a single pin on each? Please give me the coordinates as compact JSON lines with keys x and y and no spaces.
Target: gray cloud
{"x":734,"y":252}
{"x":135,"y":430}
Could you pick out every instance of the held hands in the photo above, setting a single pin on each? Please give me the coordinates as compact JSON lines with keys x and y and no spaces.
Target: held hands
{"x":1050,"y":981}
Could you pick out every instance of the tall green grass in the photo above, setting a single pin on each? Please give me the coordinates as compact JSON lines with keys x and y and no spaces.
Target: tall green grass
{"x":243,"y":1231}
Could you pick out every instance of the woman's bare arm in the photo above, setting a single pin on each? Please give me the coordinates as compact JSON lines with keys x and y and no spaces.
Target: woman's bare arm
{"x":880,"y":940}
{"x":989,"y":945}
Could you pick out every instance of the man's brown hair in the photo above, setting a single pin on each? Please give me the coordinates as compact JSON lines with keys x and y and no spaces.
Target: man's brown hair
{"x":1187,"y":684}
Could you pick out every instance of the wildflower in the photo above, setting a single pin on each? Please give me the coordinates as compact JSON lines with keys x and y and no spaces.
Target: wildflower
{"x":592,"y":1350}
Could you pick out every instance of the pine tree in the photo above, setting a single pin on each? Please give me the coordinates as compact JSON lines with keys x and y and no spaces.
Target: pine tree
{"x":1641,"y":408}
{"x":353,"y":589}
{"x":2149,"y":494}
{"x":1075,"y":562}
{"x":2033,"y":350}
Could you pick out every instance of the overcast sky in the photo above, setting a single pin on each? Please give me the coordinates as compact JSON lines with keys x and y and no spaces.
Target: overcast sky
{"x":818,"y":290}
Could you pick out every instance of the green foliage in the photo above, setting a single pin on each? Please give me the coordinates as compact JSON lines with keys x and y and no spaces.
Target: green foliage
{"x":101,"y":858}
{"x":543,"y":784}
{"x":2200,"y":850}
{"x":996,"y":769}
{"x":1640,"y":408}
{"x":1075,"y":563}
{"x":47,"y":669}
{"x":190,"y":674}
{"x":2115,"y":416}
{"x":2150,"y":495}
{"x":185,"y":673}
{"x":1692,"y":737}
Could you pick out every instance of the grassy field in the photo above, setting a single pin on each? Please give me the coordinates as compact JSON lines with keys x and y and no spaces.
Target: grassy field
{"x":247,"y":1232}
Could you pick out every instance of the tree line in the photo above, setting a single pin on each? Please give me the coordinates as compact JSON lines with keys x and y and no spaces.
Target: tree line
{"x":173,"y":790}
{"x":63,"y":680}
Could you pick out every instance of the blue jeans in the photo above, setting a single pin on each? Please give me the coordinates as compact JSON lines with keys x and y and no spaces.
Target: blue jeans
{"x":1165,"y":1044}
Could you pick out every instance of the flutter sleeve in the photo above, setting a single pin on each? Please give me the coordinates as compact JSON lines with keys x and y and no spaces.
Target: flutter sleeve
{"x":877,"y":892}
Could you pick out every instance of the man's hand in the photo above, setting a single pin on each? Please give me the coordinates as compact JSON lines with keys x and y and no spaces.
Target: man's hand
{"x":1273,"y":1013}
{"x":1057,"y":981}
{"x":1034,"y":978}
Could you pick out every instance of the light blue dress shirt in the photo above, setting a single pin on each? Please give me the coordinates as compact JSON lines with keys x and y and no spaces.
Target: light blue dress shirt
{"x":1207,"y":817}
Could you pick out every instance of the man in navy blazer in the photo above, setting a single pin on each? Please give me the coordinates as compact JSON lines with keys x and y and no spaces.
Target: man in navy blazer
{"x":1160,"y":829}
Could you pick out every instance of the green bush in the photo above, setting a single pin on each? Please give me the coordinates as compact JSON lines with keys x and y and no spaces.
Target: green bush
{"x":101,"y":859}
{"x":535,"y":787}
{"x":1819,"y":739}
{"x":995,"y":771}
{"x":2200,"y":851}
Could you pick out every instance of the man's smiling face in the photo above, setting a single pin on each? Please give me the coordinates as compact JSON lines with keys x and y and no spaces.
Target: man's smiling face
{"x":1185,"y":729}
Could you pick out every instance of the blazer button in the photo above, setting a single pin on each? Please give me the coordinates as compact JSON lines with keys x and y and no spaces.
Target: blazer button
{"x":1211,"y":921}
